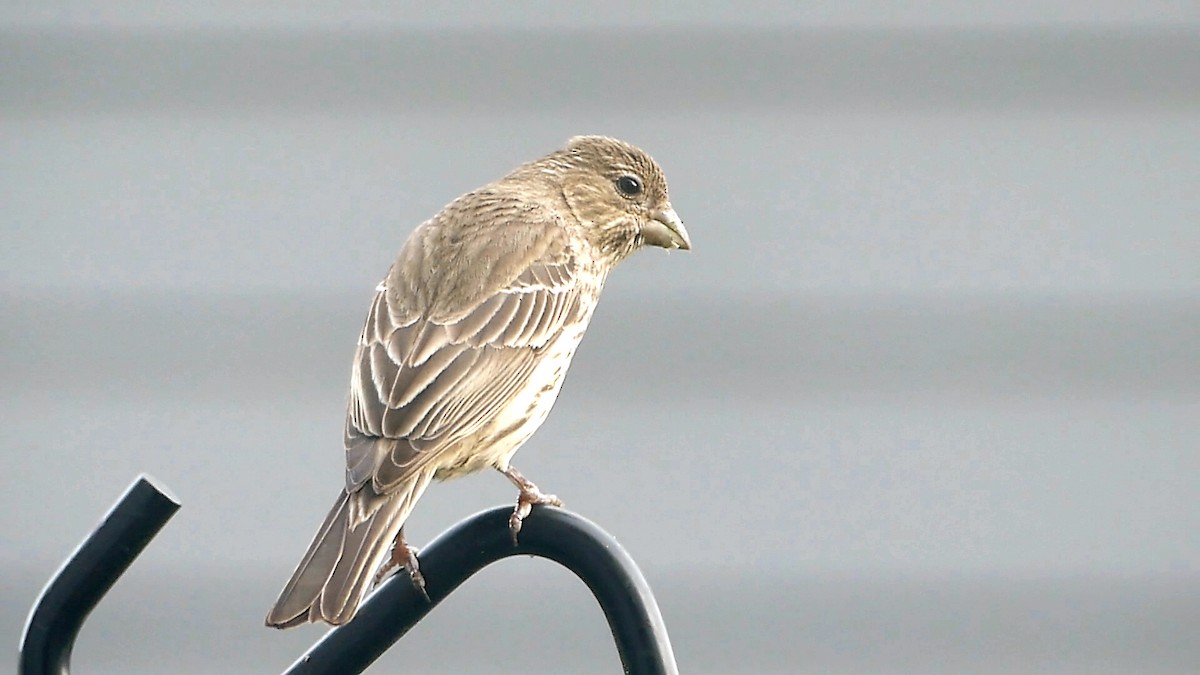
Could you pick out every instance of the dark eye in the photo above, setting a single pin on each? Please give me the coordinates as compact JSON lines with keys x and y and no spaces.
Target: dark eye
{"x":629,"y":186}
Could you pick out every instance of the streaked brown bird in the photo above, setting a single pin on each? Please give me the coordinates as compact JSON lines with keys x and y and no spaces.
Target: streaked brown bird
{"x":465,"y":348}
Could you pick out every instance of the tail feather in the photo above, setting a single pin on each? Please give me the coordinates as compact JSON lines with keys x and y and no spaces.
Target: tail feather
{"x":336,"y":572}
{"x":314,"y":569}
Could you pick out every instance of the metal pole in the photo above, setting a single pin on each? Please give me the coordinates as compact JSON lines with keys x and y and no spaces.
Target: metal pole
{"x":87,"y":575}
{"x":559,"y":535}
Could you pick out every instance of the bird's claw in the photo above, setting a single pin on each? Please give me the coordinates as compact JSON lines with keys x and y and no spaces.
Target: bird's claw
{"x":529,"y":496}
{"x":404,"y":557}
{"x":525,"y":503}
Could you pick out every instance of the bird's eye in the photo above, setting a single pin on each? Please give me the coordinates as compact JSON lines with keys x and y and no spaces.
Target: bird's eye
{"x":629,"y":186}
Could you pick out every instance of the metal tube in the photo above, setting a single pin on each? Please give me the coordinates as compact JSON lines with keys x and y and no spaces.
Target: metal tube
{"x":86,"y":576}
{"x":559,"y":535}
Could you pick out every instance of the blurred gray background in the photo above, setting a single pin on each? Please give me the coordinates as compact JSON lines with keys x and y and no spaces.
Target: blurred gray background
{"x":925,"y":398}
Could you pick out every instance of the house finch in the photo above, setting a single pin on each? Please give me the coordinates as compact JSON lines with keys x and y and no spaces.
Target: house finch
{"x":465,"y":347}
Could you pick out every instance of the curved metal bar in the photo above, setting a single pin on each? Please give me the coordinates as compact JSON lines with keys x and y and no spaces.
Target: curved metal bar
{"x":86,"y":576}
{"x":562,"y":536}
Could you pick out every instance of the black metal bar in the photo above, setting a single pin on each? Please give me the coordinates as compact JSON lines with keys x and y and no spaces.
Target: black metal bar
{"x":559,"y":535}
{"x":87,"y":575}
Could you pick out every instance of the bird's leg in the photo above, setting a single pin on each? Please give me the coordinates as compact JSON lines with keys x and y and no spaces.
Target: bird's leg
{"x":530,"y":495}
{"x":403,"y":557}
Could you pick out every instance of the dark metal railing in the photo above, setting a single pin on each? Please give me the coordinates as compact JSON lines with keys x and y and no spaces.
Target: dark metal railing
{"x":77,"y":587}
{"x":564,"y":537}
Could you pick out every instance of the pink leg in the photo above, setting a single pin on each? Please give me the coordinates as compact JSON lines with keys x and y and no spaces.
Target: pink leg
{"x":403,"y":557}
{"x":530,"y":495}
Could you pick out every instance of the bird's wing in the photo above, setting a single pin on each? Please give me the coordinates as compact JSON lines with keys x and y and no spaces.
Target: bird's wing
{"x":454,"y":332}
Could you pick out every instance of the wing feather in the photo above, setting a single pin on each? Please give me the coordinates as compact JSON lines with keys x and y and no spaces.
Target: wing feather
{"x":413,"y":381}
{"x":431,"y":338}
{"x":541,"y":303}
{"x":400,"y":339}
{"x":383,"y":370}
{"x":526,"y":305}
{"x":368,"y":413}
{"x":466,"y":329}
{"x":491,"y":332}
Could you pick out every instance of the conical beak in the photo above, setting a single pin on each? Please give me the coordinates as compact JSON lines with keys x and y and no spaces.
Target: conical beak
{"x":666,"y":230}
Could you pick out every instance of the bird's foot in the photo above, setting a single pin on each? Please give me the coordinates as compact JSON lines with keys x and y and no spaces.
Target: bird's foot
{"x":404,"y":557}
{"x":529,"y":496}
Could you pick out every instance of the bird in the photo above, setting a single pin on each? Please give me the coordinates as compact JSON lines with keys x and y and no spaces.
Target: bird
{"x":464,"y":350}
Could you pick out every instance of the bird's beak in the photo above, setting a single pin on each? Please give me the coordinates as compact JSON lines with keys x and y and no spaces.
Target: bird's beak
{"x":666,"y":230}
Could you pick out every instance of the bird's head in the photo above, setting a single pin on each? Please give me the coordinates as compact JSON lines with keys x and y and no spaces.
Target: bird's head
{"x":619,"y":193}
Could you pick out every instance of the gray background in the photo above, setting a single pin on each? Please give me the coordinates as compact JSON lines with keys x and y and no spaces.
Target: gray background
{"x":924,"y":398}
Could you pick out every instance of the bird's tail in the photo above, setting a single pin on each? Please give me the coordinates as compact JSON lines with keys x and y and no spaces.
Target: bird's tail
{"x":336,"y":571}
